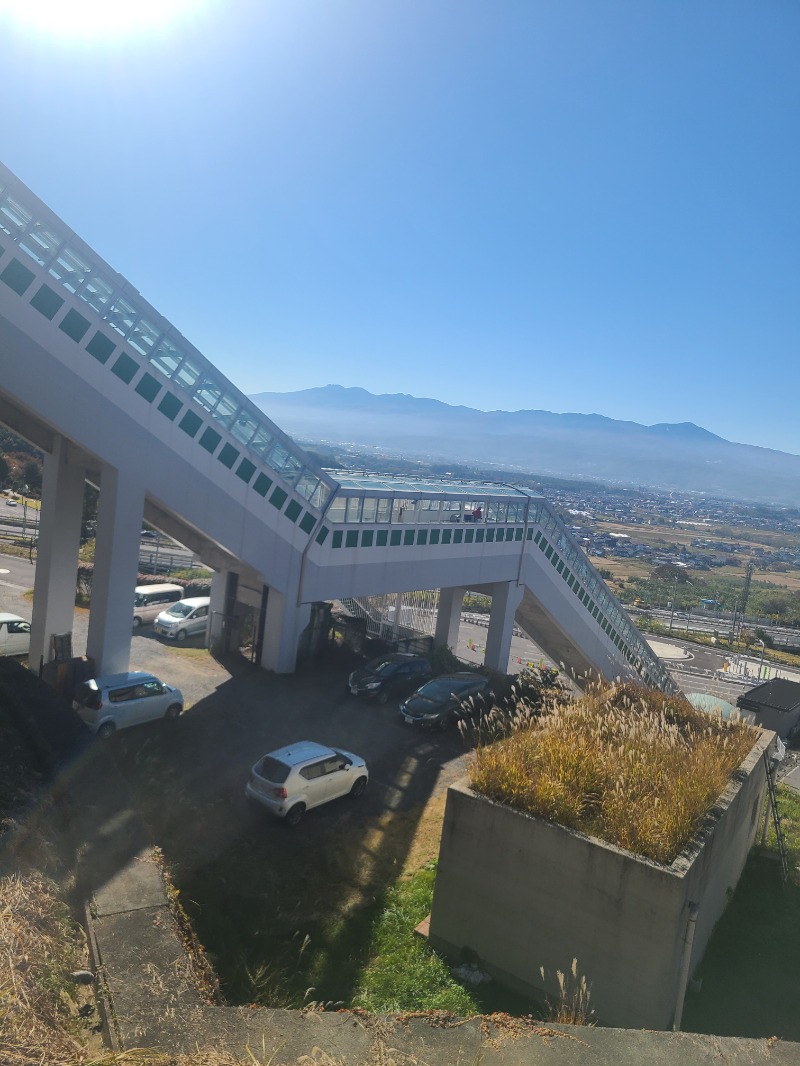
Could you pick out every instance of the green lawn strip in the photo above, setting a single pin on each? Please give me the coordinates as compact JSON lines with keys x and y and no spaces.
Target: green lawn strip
{"x":268,"y":950}
{"x":282,"y":936}
{"x":789,"y":811}
{"x":283,"y":942}
{"x":403,"y":972}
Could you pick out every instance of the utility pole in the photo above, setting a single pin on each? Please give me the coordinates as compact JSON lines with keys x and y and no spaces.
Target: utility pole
{"x":674,"y":594}
{"x":24,"y":510}
{"x":761,"y":664}
{"x":748,"y":574}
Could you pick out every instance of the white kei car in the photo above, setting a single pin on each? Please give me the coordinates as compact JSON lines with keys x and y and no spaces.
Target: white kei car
{"x":292,"y":780}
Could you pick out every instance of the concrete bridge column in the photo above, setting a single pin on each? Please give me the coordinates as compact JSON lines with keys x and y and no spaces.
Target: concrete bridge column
{"x":284,"y":621}
{"x":448,"y":618}
{"x":116,"y":564}
{"x":506,"y":598}
{"x":57,"y":552}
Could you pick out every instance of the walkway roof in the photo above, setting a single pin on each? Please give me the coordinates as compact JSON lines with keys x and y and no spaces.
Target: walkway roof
{"x":411,"y":486}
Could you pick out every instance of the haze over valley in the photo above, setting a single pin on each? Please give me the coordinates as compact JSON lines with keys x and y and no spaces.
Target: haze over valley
{"x":673,"y":457}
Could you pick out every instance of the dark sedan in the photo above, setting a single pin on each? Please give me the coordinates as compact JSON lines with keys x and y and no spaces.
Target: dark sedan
{"x":389,"y":676}
{"x":439,"y":702}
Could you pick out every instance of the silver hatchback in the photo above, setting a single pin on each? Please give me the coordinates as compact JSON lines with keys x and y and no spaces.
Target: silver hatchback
{"x":117,"y":701}
{"x":292,"y":780}
{"x":187,"y":618}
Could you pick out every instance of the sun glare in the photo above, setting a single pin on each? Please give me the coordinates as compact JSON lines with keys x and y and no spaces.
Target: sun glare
{"x":92,"y":19}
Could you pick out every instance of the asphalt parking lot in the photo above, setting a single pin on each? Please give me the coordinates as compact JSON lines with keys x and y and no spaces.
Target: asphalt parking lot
{"x":248,"y":882}
{"x":237,"y":712}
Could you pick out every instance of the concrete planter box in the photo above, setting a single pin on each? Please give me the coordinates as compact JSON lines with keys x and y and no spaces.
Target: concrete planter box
{"x":521,"y":893}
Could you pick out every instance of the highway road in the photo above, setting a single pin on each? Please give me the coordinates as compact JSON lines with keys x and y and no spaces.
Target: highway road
{"x":156,"y":556}
{"x":16,"y":574}
{"x":685,"y":623}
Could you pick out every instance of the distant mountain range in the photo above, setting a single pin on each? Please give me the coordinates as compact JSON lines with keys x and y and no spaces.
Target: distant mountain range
{"x":682,"y":457}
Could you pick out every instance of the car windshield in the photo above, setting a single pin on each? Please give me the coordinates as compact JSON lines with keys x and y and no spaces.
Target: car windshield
{"x":272,"y":770}
{"x":443,"y":687}
{"x":180,"y":610}
{"x":382,"y":667}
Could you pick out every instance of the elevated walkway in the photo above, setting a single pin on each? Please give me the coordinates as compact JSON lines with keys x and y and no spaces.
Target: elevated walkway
{"x":114,"y":394}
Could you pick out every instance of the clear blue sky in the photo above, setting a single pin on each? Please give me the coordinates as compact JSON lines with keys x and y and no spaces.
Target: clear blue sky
{"x":572,"y":205}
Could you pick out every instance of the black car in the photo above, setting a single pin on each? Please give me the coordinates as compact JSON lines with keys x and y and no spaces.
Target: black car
{"x":389,"y":675}
{"x":439,"y":702}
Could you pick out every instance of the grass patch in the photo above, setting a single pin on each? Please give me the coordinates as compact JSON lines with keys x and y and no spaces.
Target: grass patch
{"x":749,"y":972}
{"x":403,"y":973}
{"x":365,"y":956}
{"x":190,"y":653}
{"x":746,"y":984}
{"x":334,"y":924}
{"x":631,"y":766}
{"x":789,"y":811}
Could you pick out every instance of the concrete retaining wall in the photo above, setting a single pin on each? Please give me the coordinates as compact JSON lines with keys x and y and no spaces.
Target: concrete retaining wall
{"x":522,"y":893}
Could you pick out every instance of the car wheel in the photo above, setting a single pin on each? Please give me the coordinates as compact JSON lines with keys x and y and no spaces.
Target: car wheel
{"x":294,"y":814}
{"x":173,"y":712}
{"x":443,"y":723}
{"x":181,"y":635}
{"x":358,"y":787}
{"x":106,"y":730}
{"x":383,"y":697}
{"x":136,"y":623}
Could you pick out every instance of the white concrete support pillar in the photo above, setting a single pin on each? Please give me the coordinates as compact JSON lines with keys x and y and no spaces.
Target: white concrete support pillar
{"x":448,"y":618}
{"x":506,"y":597}
{"x":57,"y":552}
{"x":116,"y":564}
{"x":284,"y":623}
{"x":219,"y":599}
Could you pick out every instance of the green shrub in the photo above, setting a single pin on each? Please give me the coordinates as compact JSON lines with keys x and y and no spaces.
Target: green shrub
{"x":444,"y":661}
{"x":476,"y":603}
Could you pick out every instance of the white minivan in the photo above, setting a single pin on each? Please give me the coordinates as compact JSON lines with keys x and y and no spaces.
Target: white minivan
{"x":150,"y":600}
{"x":188,"y":618}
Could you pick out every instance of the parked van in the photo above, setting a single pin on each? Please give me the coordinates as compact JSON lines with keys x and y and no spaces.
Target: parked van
{"x":188,"y":618}
{"x":15,"y":635}
{"x":150,"y":600}
{"x":117,"y":701}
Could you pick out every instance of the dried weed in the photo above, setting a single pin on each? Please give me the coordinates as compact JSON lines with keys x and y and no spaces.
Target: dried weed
{"x":635,"y":767}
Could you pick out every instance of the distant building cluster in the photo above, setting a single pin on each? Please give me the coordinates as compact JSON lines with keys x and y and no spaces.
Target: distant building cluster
{"x":583,"y":508}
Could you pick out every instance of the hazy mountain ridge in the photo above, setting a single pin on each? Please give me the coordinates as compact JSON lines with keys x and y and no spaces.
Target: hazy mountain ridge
{"x":681,"y":456}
